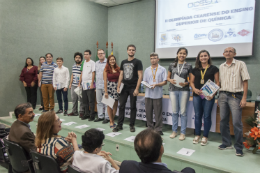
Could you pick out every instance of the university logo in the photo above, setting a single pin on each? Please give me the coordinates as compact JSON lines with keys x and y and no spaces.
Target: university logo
{"x":215,"y":35}
{"x":177,"y":37}
{"x":201,"y":3}
{"x":230,"y":33}
{"x":243,"y":32}
{"x":200,"y":36}
{"x":163,"y":37}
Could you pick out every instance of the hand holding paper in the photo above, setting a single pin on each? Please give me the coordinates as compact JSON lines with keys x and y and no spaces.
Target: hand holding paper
{"x":108,"y":101}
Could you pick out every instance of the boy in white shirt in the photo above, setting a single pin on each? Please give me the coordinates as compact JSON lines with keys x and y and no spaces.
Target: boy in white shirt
{"x":61,"y":79}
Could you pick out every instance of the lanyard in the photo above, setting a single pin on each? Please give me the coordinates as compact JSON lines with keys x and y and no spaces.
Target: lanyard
{"x":203,"y":74}
{"x":179,"y":72}
{"x":155,"y":71}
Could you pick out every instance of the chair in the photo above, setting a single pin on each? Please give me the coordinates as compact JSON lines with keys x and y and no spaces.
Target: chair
{"x":20,"y":162}
{"x":44,"y":164}
{"x":74,"y":169}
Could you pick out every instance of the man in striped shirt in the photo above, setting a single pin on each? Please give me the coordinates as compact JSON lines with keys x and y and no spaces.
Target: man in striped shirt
{"x":45,"y":81}
{"x":233,"y":78}
{"x":74,"y":82}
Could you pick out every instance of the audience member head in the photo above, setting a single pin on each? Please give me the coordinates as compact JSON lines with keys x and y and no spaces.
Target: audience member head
{"x":49,"y":124}
{"x":230,"y":53}
{"x":202,"y":58}
{"x":87,"y":55}
{"x":131,"y":49}
{"x":148,"y":146}
{"x":101,"y":54}
{"x":28,"y":62}
{"x":49,"y":57}
{"x":78,"y":57}
{"x":154,"y":58}
{"x":24,"y":112}
{"x":181,"y":55}
{"x":59,"y":61}
{"x":92,"y":141}
{"x":111,"y":63}
{"x":42,"y":59}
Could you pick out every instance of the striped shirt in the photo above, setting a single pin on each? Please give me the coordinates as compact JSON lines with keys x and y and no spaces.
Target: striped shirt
{"x":232,"y":76}
{"x":76,"y":74}
{"x":47,"y":72}
{"x":59,"y":149}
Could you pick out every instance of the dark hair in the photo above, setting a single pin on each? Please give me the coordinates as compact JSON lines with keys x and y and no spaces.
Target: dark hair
{"x":88,"y":51}
{"x":147,"y":145}
{"x":131,"y":45}
{"x":78,"y":54}
{"x":176,"y":59}
{"x":21,"y":108}
{"x":26,"y":61}
{"x":198,"y":63}
{"x":92,"y":139}
{"x":154,"y":54}
{"x":59,"y":58}
{"x":108,"y":68}
{"x":49,"y":54}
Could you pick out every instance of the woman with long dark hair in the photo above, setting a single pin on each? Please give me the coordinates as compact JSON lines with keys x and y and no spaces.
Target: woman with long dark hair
{"x":111,"y":75}
{"x":41,"y":60}
{"x":30,"y":80}
{"x":203,"y":71}
{"x":179,"y":94}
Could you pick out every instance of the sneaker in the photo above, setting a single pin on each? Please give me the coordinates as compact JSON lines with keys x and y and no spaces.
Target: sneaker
{"x":132,"y":128}
{"x":72,"y":114}
{"x":105,"y":121}
{"x":65,"y":112}
{"x":204,"y":141}
{"x":173,"y":135}
{"x":223,"y":147}
{"x":91,"y":118}
{"x":239,"y":153}
{"x":59,"y":111}
{"x":182,"y":137}
{"x":196,"y":140}
{"x":98,"y":119}
{"x":117,"y":128}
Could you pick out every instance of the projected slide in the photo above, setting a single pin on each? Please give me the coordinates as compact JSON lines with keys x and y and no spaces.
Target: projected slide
{"x":209,"y":23}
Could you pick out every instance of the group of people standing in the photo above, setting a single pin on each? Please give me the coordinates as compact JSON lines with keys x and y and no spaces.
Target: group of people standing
{"x":106,"y":78}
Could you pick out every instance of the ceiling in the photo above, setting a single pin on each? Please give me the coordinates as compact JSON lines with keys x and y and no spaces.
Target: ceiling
{"x":110,"y":3}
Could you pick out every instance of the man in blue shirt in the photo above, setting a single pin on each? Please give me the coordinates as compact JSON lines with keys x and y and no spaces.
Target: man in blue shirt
{"x":156,"y":77}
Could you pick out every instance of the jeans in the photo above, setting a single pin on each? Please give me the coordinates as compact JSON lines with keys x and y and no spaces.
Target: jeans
{"x":179,"y":100}
{"x":88,"y":99}
{"x":122,"y":100}
{"x":202,"y":106}
{"x":228,"y":103}
{"x":31,"y":93}
{"x":65,"y":98}
{"x":100,"y":105}
{"x":75,"y":98}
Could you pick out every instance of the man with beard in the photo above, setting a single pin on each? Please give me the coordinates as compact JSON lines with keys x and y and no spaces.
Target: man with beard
{"x":131,"y":73}
{"x":20,"y":131}
{"x":74,"y":82}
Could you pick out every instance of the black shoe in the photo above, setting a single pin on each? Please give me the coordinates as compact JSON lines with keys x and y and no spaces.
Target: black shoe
{"x":105,"y":121}
{"x":41,"y":108}
{"x":84,"y":117}
{"x":65,"y":112}
{"x":132,"y":128}
{"x":45,"y":111}
{"x":59,"y":111}
{"x":91,"y":118}
{"x":98,"y":119}
{"x":160,"y":132}
{"x":117,"y":128}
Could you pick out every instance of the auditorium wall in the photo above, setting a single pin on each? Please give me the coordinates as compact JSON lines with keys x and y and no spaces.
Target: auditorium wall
{"x":33,"y":28}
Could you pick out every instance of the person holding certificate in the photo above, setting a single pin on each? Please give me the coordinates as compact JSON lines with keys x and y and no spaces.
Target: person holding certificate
{"x":178,"y":73}
{"x":203,"y":71}
{"x":111,"y":74}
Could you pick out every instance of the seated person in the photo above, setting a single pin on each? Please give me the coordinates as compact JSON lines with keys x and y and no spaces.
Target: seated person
{"x":48,"y":141}
{"x":149,"y":148}
{"x":91,"y":160}
{"x":20,"y":131}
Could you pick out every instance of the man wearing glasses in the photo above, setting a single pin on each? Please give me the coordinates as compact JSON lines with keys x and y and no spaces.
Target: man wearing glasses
{"x":233,"y":78}
{"x":100,"y":65}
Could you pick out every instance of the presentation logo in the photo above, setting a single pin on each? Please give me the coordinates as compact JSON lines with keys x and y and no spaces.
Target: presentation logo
{"x":177,"y":37}
{"x":200,"y":36}
{"x":163,"y":37}
{"x":215,"y":35}
{"x":243,"y":32}
{"x":230,"y":33}
{"x":202,"y":3}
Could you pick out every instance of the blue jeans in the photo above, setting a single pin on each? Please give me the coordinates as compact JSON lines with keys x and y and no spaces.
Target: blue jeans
{"x":179,"y":100}
{"x":65,"y":98}
{"x":202,"y":106}
{"x":228,"y":103}
{"x":100,"y":105}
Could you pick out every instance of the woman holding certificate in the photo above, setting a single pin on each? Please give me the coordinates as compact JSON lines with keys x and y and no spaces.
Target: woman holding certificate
{"x":203,"y":71}
{"x":111,"y":75}
{"x":178,"y":73}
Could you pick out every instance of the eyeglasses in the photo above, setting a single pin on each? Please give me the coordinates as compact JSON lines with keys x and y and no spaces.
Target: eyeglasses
{"x":100,"y":53}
